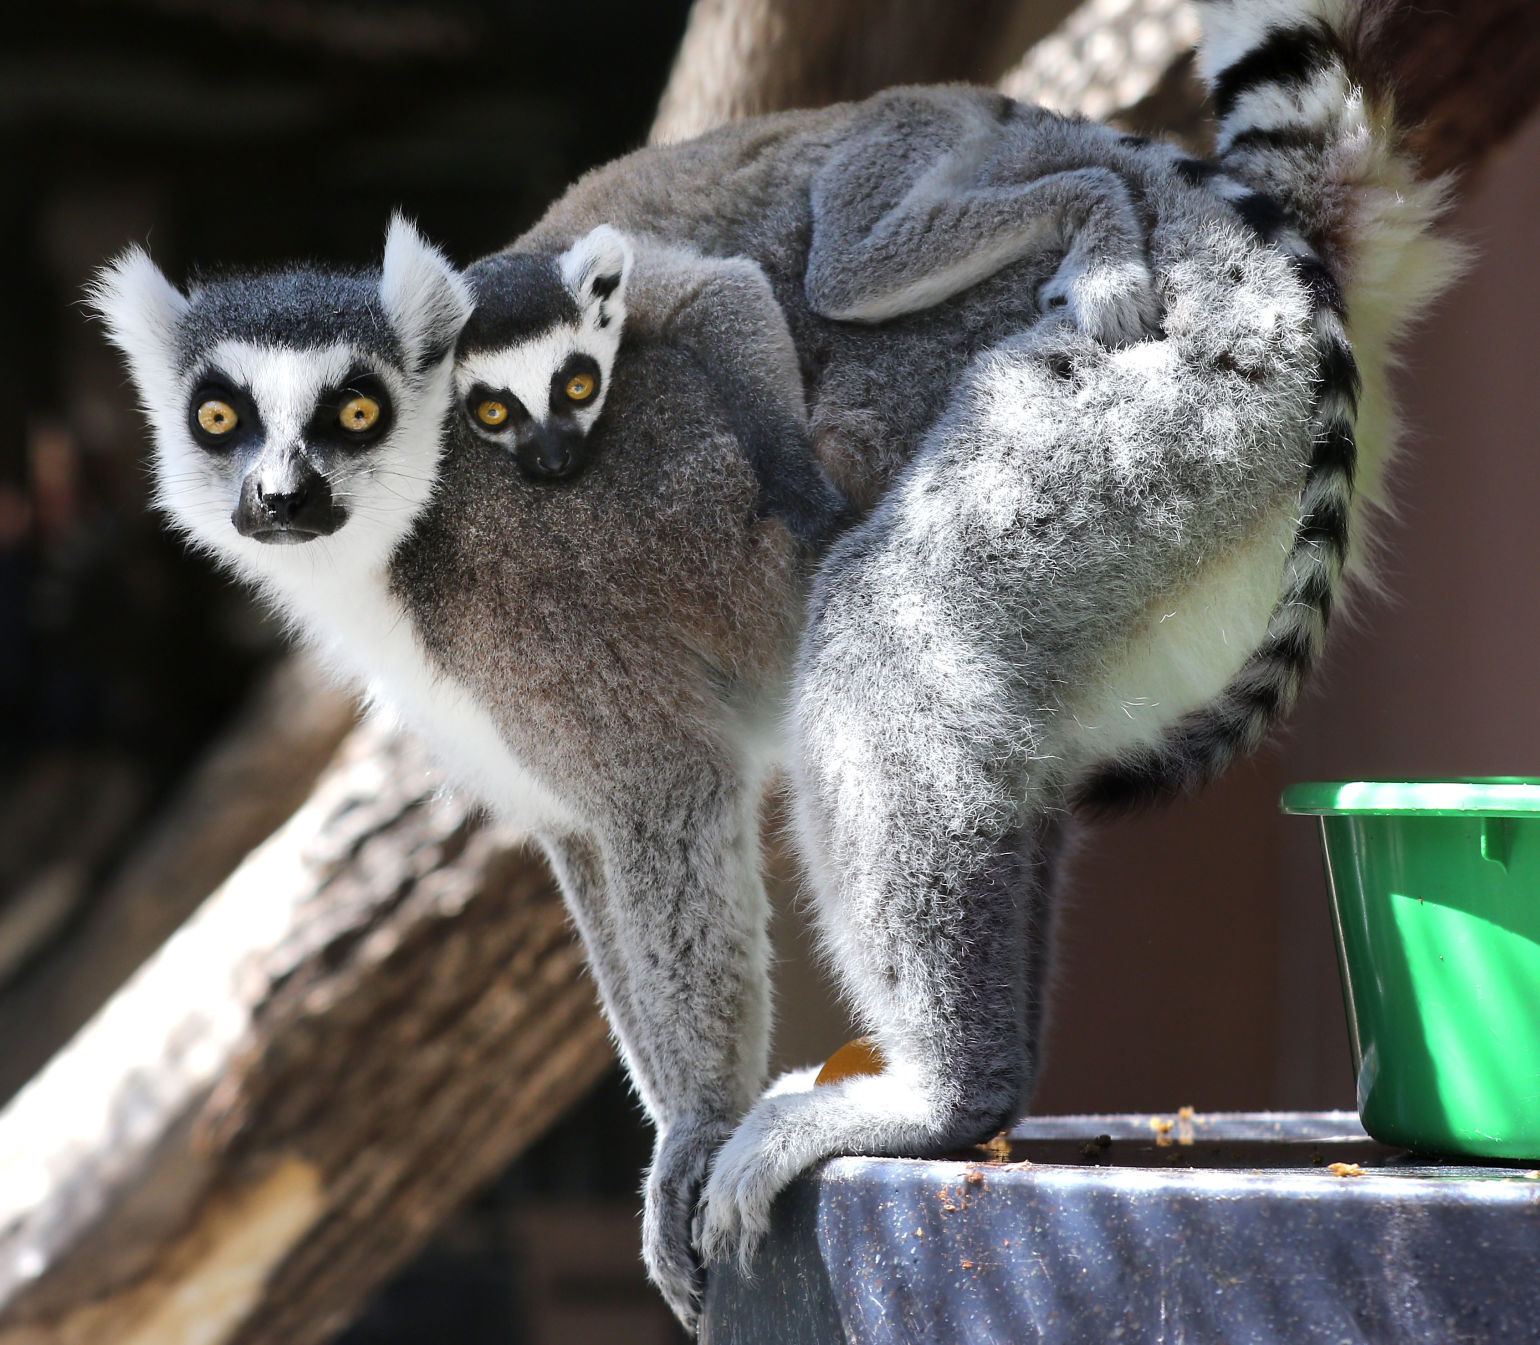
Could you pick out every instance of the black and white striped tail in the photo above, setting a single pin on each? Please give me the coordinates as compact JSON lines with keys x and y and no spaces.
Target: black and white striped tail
{"x":1274,"y":99}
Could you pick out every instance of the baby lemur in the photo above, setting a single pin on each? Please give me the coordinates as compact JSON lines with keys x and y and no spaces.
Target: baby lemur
{"x":1072,"y":564}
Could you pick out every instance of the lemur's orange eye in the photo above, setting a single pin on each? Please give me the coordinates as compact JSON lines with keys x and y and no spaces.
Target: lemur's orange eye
{"x":217,"y":417}
{"x":580,"y":387}
{"x":492,"y":412}
{"x":359,"y":414}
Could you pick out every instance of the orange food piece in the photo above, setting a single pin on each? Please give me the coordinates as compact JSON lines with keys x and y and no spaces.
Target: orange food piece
{"x":853,"y":1059}
{"x":1347,"y":1169}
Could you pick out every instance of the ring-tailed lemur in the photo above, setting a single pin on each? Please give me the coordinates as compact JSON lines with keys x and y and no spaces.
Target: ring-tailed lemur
{"x":1087,"y":547}
{"x":606,"y":664}
{"x":565,"y":315}
{"x":543,"y":323}
{"x":548,"y":321}
{"x":1103,"y":573}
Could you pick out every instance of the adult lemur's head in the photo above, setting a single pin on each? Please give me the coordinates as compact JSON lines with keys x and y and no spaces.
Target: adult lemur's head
{"x":301,"y":406}
{"x":533,"y":364}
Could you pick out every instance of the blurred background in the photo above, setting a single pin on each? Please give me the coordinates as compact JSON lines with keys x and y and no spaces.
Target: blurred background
{"x":1196,"y":965}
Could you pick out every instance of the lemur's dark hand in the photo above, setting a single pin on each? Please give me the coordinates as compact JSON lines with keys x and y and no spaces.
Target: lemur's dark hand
{"x":674,"y":1185}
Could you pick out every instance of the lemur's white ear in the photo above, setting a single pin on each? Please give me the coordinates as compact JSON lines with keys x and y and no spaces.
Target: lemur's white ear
{"x":426,"y":299}
{"x":141,"y":310}
{"x":596,"y":269}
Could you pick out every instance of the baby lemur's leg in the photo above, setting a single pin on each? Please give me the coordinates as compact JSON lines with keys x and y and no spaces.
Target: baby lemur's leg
{"x":725,"y":313}
{"x":902,"y":222}
{"x":670,"y":904}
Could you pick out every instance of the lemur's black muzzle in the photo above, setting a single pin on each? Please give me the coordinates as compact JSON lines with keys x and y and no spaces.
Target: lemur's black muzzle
{"x":552,"y":452}
{"x":297,"y":508}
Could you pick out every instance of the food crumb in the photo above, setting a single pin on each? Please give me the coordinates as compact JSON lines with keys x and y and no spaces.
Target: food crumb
{"x":1346,"y":1169}
{"x":1186,"y":1114}
{"x":967,"y":1265}
{"x":1533,"y":1175}
{"x":1162,"y":1125}
{"x":975,"y":1177}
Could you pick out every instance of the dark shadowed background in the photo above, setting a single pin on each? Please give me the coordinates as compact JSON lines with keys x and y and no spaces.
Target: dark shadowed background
{"x":1196,"y":965}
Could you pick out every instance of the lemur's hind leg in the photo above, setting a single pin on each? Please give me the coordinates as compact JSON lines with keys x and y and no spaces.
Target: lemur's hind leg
{"x":956,"y":1074}
{"x":911,"y":210}
{"x":926,"y":250}
{"x":932,"y":896}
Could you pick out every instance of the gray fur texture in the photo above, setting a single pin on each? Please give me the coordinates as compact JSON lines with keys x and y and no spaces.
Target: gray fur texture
{"x":632,"y":632}
{"x":1089,"y":572}
{"x":1081,"y":556}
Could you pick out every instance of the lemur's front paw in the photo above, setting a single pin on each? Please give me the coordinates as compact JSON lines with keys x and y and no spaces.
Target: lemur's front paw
{"x":1115,"y":305}
{"x":673,"y":1191}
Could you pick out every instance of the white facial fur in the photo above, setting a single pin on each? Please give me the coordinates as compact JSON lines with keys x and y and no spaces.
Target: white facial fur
{"x":383,"y":487}
{"x":595,"y":270}
{"x":335,"y":589}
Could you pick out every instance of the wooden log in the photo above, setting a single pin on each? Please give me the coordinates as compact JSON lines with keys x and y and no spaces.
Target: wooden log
{"x":364,"y":1024}
{"x":261,"y":769}
{"x":1468,"y":74}
{"x":740,"y":58}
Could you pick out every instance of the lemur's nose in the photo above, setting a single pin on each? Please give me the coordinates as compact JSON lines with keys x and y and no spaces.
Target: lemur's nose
{"x":284,"y":506}
{"x":552,"y":452}
{"x":294,"y":507}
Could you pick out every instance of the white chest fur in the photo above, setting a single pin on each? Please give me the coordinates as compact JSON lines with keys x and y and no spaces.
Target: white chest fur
{"x":367,"y":636}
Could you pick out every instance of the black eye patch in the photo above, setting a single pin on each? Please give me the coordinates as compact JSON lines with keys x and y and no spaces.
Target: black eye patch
{"x":495,"y":412}
{"x":356,"y":413}
{"x":221,"y":416}
{"x":575,"y":385}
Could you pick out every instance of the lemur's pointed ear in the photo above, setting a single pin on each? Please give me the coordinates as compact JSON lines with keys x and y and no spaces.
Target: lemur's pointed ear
{"x":141,"y":310}
{"x":426,"y":299}
{"x":596,"y":269}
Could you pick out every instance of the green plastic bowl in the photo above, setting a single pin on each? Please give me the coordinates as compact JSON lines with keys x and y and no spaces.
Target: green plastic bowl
{"x":1435,"y":891}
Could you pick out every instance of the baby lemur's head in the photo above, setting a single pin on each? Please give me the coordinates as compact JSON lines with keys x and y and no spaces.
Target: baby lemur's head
{"x":300,"y":406}
{"x":533,"y":363}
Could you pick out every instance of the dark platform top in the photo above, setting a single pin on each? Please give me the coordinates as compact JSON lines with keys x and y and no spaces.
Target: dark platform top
{"x":1225,"y":1229}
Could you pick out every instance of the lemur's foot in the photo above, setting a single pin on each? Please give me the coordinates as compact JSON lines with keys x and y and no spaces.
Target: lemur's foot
{"x":789,"y":1131}
{"x":673,"y":1191}
{"x":1115,"y":305}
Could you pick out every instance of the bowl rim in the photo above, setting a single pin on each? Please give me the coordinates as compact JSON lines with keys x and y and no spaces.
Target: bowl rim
{"x":1490,"y":796}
